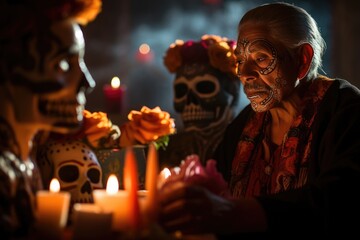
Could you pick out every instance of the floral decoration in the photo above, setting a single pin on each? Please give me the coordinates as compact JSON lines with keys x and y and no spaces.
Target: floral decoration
{"x":212,"y":49}
{"x":21,"y":17}
{"x":192,"y":171}
{"x":97,"y":131}
{"x":90,"y":9}
{"x":147,"y":125}
{"x":144,"y":126}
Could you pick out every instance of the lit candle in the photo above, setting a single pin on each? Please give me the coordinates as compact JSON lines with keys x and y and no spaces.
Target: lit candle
{"x":152,"y":171}
{"x":52,"y":210}
{"x":164,"y":174}
{"x":114,"y":95}
{"x":131,"y":186}
{"x":114,"y":200}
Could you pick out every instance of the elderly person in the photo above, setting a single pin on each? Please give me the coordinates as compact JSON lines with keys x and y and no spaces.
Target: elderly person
{"x":43,"y":80}
{"x":291,"y":157}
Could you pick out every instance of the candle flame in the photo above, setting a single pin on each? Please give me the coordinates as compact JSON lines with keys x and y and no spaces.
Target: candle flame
{"x":115,"y":82}
{"x":166,"y":173}
{"x":54,"y":185}
{"x":112,"y":185}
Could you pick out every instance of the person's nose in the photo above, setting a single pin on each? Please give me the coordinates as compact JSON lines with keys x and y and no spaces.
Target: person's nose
{"x":247,"y":71}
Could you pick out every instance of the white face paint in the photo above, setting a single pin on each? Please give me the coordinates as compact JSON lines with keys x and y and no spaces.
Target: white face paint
{"x":264,"y":68}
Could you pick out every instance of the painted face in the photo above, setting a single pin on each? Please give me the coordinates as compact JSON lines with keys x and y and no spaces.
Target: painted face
{"x":264,"y":69}
{"x":48,"y":85}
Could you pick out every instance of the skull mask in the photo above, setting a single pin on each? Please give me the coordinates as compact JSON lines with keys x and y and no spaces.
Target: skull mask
{"x":76,"y":167}
{"x":204,"y":96}
{"x":49,"y":77}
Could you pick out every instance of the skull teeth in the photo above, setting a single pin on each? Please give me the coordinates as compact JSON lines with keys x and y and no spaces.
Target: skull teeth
{"x":67,"y":112}
{"x":196,"y":113}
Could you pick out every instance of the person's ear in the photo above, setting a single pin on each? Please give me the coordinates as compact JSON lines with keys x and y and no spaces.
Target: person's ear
{"x":306,"y":54}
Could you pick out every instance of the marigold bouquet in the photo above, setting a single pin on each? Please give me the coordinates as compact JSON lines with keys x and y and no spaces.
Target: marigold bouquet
{"x":144,"y":126}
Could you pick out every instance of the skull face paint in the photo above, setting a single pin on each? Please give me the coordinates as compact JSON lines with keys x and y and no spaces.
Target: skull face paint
{"x":53,"y":80}
{"x":202,"y":99}
{"x":76,"y":167}
{"x":258,"y":60}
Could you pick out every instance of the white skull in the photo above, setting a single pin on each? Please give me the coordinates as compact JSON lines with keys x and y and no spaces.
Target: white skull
{"x":204,"y":97}
{"x":49,"y":80}
{"x":76,"y":167}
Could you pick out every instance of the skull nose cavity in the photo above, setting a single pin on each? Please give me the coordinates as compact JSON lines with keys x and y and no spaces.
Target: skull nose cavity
{"x":86,"y":188}
{"x":191,"y":98}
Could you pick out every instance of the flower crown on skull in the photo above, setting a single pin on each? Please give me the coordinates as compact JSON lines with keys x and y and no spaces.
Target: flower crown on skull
{"x":215,"y":50}
{"x":23,"y":15}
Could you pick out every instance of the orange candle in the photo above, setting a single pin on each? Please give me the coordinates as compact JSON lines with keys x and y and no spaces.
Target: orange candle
{"x":115,"y":201}
{"x":152,"y":171}
{"x":131,"y":186}
{"x":52,"y":210}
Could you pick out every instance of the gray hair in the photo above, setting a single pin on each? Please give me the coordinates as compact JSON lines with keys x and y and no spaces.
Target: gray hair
{"x":292,"y":26}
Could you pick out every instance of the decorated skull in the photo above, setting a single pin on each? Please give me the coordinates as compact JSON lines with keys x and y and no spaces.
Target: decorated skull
{"x":204,"y":96}
{"x":76,"y":167}
{"x":50,"y":76}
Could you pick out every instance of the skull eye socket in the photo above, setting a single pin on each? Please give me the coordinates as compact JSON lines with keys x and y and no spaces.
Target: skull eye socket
{"x":69,"y":173}
{"x":180,"y":90}
{"x":205,"y":87}
{"x":94,"y":175}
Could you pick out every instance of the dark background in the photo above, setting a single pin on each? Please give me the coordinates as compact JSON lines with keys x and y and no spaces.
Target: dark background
{"x":112,"y":42}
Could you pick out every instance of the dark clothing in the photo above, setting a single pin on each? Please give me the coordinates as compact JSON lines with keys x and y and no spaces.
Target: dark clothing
{"x":19,"y":182}
{"x":330,"y":199}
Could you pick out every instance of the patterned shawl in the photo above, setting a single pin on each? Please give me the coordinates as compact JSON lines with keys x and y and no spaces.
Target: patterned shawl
{"x":251,"y":175}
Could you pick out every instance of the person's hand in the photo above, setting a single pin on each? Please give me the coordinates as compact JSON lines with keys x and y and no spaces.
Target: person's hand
{"x":192,"y":209}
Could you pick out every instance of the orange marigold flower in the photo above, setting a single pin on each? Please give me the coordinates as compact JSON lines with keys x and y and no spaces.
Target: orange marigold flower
{"x":222,"y":56}
{"x":173,"y":59}
{"x":146,"y":125}
{"x":91,"y":9}
{"x":97,"y":128}
{"x":213,"y":49}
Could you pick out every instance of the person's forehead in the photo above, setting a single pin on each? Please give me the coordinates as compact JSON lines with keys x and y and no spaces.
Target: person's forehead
{"x":250,"y":33}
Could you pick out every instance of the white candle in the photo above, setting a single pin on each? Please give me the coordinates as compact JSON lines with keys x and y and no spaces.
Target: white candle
{"x":91,"y":222}
{"x":52,"y":210}
{"x":114,"y":200}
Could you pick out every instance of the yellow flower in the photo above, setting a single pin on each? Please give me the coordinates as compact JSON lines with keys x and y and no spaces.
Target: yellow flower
{"x":222,"y":56}
{"x":98,"y":129}
{"x":91,"y":9}
{"x":145,"y":126}
{"x":172,"y":59}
